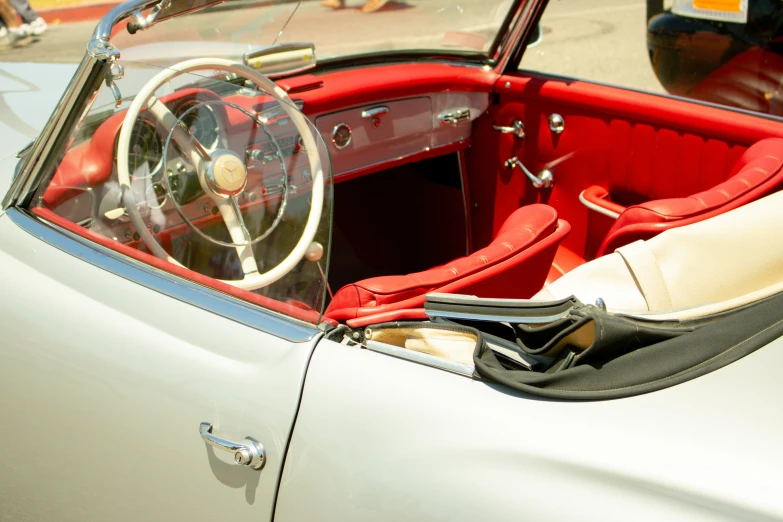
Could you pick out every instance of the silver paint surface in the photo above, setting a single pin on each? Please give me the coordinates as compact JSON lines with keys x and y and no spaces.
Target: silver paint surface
{"x":392,"y":440}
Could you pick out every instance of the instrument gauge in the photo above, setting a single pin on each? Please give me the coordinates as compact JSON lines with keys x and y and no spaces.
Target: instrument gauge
{"x":145,"y":151}
{"x":201,"y":121}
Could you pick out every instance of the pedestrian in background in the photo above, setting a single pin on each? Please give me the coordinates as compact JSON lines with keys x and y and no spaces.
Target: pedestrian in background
{"x":32,"y":24}
{"x":11,"y":34}
{"x":370,"y":7}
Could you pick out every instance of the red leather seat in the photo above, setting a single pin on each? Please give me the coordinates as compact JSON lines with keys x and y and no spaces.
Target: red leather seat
{"x":514,"y":265}
{"x":758,"y":173}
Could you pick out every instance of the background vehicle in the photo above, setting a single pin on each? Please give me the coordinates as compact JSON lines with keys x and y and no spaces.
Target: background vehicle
{"x":694,"y":39}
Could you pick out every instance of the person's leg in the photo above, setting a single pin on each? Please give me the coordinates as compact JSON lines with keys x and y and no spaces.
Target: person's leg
{"x":32,"y":23}
{"x":8,"y":16}
{"x":22,"y":7}
{"x":11,"y":35}
{"x":334,"y":4}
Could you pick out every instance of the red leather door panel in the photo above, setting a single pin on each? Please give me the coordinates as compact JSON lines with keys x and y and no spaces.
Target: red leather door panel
{"x":639,"y":146}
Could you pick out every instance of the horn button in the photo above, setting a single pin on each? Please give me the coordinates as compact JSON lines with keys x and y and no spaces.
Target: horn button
{"x":226,"y":174}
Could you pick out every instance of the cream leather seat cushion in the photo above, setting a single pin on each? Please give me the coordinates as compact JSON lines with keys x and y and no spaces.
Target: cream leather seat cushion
{"x":710,"y":266}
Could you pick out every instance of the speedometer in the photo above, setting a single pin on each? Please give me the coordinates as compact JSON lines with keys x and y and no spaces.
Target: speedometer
{"x":201,"y":121}
{"x":145,"y":152}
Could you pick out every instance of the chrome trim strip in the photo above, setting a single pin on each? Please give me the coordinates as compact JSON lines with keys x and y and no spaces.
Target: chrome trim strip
{"x":462,"y":180}
{"x":434,"y":151}
{"x":478,"y":316}
{"x":203,"y":297}
{"x":592,"y":206}
{"x":421,"y":358}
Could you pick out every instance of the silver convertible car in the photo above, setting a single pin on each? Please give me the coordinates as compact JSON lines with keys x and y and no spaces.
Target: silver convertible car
{"x":300,"y":262}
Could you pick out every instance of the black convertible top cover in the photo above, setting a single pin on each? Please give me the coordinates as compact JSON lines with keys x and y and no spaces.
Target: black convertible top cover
{"x":590,"y":354}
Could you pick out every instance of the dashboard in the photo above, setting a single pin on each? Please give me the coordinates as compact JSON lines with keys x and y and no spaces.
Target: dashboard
{"x":359,"y":140}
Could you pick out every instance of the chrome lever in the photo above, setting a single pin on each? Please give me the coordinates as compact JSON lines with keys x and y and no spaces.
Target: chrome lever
{"x":545,"y":179}
{"x":246,"y":453}
{"x":517,"y":129}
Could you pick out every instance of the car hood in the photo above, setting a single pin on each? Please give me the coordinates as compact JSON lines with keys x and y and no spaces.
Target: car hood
{"x":28,"y":94}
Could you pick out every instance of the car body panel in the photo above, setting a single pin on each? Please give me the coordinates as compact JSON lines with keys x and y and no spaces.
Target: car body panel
{"x":394,"y":440}
{"x":104,"y":384}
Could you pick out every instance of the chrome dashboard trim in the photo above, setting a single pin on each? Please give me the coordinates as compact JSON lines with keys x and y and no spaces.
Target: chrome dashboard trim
{"x":463,"y":189}
{"x":335,"y":130}
{"x":202,"y":297}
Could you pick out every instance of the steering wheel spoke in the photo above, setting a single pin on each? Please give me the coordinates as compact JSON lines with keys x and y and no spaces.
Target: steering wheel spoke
{"x":193,"y":149}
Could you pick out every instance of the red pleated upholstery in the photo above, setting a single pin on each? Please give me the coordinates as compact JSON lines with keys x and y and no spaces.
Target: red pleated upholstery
{"x":757,"y":173}
{"x":515,"y":264}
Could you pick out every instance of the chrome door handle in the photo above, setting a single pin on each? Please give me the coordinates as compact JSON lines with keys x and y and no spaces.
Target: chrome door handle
{"x":376,"y":111}
{"x":246,"y":453}
{"x":517,"y":129}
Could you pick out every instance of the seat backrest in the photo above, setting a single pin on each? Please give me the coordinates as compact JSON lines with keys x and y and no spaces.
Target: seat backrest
{"x":515,"y":264}
{"x":758,"y":173}
{"x":708,"y":267}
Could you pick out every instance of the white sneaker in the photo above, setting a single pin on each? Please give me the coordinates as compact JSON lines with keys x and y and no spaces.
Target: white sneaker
{"x":25,"y":30}
{"x":3,"y":32}
{"x":13,"y":38}
{"x":38,"y":26}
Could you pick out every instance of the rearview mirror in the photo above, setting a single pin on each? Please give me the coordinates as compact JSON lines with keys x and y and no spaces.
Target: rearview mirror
{"x":281,"y":59}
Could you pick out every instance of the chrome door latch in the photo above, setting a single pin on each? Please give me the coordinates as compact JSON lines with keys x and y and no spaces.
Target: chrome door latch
{"x":544,"y":179}
{"x":248,"y":452}
{"x":517,"y":129}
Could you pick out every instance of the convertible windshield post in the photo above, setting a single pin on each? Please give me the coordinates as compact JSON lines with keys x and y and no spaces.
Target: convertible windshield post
{"x":53,"y":138}
{"x":520,"y":21}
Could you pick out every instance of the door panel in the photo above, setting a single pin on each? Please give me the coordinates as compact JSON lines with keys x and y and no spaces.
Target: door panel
{"x":103,"y":385}
{"x":639,"y":146}
{"x":393,"y":440}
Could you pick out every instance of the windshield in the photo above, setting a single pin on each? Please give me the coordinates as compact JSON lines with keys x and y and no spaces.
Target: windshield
{"x":338,"y":28}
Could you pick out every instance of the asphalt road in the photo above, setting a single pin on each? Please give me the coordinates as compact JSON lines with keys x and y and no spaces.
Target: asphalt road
{"x":601,"y":40}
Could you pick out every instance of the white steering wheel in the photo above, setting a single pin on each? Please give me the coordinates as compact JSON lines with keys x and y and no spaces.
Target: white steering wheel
{"x":223,"y":174}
